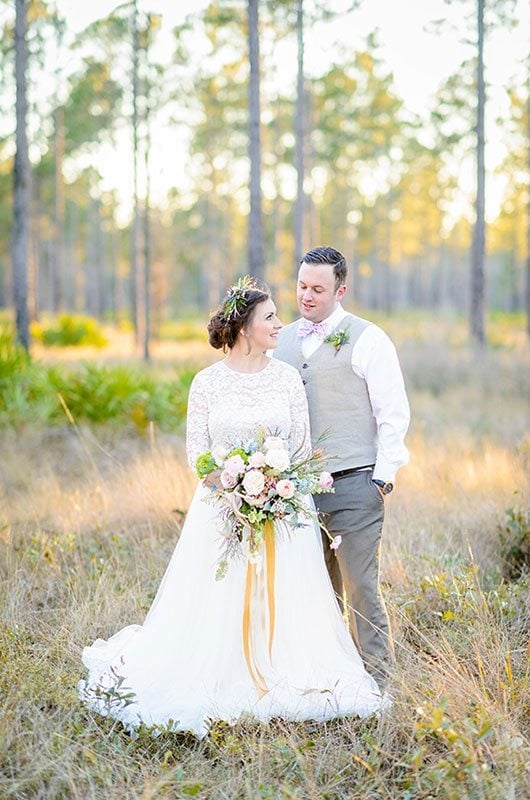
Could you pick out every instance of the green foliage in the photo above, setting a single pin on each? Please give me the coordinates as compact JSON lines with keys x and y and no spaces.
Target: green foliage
{"x":70,"y":330}
{"x":25,"y":394}
{"x":92,"y":106}
{"x":13,"y":359}
{"x":121,"y":394}
{"x":31,"y":393}
{"x":100,"y":393}
{"x":238,"y":451}
{"x":205,"y":464}
{"x":450,"y":751}
{"x":515,"y":543}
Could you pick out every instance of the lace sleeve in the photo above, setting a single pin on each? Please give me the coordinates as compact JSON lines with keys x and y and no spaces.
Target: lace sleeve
{"x":197,"y":435}
{"x":300,"y":435}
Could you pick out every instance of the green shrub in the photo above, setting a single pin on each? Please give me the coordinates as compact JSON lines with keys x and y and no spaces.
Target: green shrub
{"x":515,"y":543}
{"x":31,"y":392}
{"x":26,"y":395}
{"x":122,"y":395}
{"x":69,"y":330}
{"x":14,"y":360}
{"x":101,"y":393}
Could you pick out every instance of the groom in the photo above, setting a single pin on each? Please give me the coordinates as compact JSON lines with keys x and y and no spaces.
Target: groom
{"x":356,"y":394}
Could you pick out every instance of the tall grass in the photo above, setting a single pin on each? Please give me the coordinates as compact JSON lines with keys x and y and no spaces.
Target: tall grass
{"x":89,"y":516}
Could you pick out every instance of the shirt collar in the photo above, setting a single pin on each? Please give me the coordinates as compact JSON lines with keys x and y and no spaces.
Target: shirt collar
{"x":334,"y":318}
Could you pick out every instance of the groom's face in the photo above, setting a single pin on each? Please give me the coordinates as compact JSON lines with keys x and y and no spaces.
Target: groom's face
{"x":316,"y":293}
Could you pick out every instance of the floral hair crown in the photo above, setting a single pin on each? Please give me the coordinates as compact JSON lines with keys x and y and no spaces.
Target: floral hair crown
{"x":235,"y":297}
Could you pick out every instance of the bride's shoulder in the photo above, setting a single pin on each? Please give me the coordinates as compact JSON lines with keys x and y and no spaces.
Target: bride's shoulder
{"x":285,"y":370}
{"x":205,"y":375}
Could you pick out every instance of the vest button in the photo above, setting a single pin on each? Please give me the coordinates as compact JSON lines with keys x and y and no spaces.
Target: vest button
{"x":304,"y":366}
{"x":304,"y":382}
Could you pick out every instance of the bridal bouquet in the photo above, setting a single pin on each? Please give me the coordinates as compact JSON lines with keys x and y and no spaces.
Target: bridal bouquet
{"x":260,"y":483}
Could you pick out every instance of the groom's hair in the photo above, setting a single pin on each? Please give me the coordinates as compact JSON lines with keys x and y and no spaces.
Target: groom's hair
{"x":328,"y":255}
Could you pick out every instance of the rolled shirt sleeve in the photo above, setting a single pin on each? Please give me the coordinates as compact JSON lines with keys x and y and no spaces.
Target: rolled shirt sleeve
{"x":375,"y":360}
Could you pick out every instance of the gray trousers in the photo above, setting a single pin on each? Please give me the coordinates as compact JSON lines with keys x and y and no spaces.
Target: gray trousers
{"x":356,"y":511}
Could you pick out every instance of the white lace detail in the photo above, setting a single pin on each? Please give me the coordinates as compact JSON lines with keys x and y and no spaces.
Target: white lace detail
{"x":225,"y":407}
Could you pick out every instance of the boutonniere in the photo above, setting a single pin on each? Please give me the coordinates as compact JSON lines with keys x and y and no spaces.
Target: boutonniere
{"x":338,"y":338}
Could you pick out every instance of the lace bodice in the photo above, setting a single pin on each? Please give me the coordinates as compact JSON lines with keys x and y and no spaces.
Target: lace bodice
{"x":225,"y":407}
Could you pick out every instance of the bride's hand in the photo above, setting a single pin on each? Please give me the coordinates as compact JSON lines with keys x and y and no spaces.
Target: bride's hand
{"x":213,"y":480}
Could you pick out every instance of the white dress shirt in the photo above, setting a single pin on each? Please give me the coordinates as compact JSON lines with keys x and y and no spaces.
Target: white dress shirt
{"x":374,"y":359}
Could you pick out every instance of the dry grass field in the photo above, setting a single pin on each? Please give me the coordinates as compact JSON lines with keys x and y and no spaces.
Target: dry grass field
{"x":90,"y":516}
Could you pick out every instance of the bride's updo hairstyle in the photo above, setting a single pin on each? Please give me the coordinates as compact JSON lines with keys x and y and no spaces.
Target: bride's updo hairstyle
{"x":236,"y":312}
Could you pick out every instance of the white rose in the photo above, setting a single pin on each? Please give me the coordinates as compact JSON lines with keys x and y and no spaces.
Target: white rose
{"x":257,"y":459}
{"x":253,"y":482}
{"x":219,"y":454}
{"x":274,"y":443}
{"x":278,"y":459}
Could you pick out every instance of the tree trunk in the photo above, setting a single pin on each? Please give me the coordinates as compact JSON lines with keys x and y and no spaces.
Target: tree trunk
{"x":256,"y":254}
{"x":35,"y":246}
{"x":135,"y":230}
{"x":299,"y":141}
{"x":478,"y":289}
{"x":147,"y":240}
{"x":75,"y":259}
{"x":100,"y":264}
{"x":114,"y":259}
{"x":21,"y":182}
{"x":527,"y":292}
{"x":275,"y":216}
{"x":311,"y":212}
{"x":91,"y":274}
{"x":386,"y":272}
{"x":58,"y":213}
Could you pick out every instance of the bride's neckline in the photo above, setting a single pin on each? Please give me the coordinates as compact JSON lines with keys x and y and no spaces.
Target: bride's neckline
{"x":249,"y":374}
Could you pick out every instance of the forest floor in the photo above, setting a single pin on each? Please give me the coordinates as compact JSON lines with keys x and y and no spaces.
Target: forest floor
{"x":89,"y":517}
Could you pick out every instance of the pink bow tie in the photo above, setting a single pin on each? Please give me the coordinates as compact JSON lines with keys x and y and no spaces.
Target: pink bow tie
{"x":305,"y":328}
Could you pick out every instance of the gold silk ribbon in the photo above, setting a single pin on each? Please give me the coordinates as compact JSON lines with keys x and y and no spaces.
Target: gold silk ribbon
{"x":255,"y":674}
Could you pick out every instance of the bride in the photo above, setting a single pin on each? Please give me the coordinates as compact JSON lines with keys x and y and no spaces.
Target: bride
{"x":188,"y":664}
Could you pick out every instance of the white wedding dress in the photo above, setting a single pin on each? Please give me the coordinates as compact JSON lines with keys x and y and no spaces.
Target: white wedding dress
{"x":186,"y":666}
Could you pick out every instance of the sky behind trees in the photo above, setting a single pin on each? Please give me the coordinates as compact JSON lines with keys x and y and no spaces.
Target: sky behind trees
{"x":419,"y":57}
{"x":144,"y":105}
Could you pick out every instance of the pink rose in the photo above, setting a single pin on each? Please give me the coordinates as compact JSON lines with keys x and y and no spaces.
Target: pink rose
{"x":257,"y":459}
{"x":336,"y":541}
{"x":228,"y":481}
{"x":234,"y":466}
{"x":285,"y":488}
{"x":325,"y":481}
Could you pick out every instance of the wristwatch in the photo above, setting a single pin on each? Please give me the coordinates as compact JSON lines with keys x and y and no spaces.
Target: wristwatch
{"x":385,"y":487}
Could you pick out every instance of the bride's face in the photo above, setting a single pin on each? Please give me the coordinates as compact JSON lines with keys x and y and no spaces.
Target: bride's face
{"x":264,"y":326}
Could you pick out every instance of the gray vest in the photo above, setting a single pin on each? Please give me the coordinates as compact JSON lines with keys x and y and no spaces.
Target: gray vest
{"x":339,"y":404}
